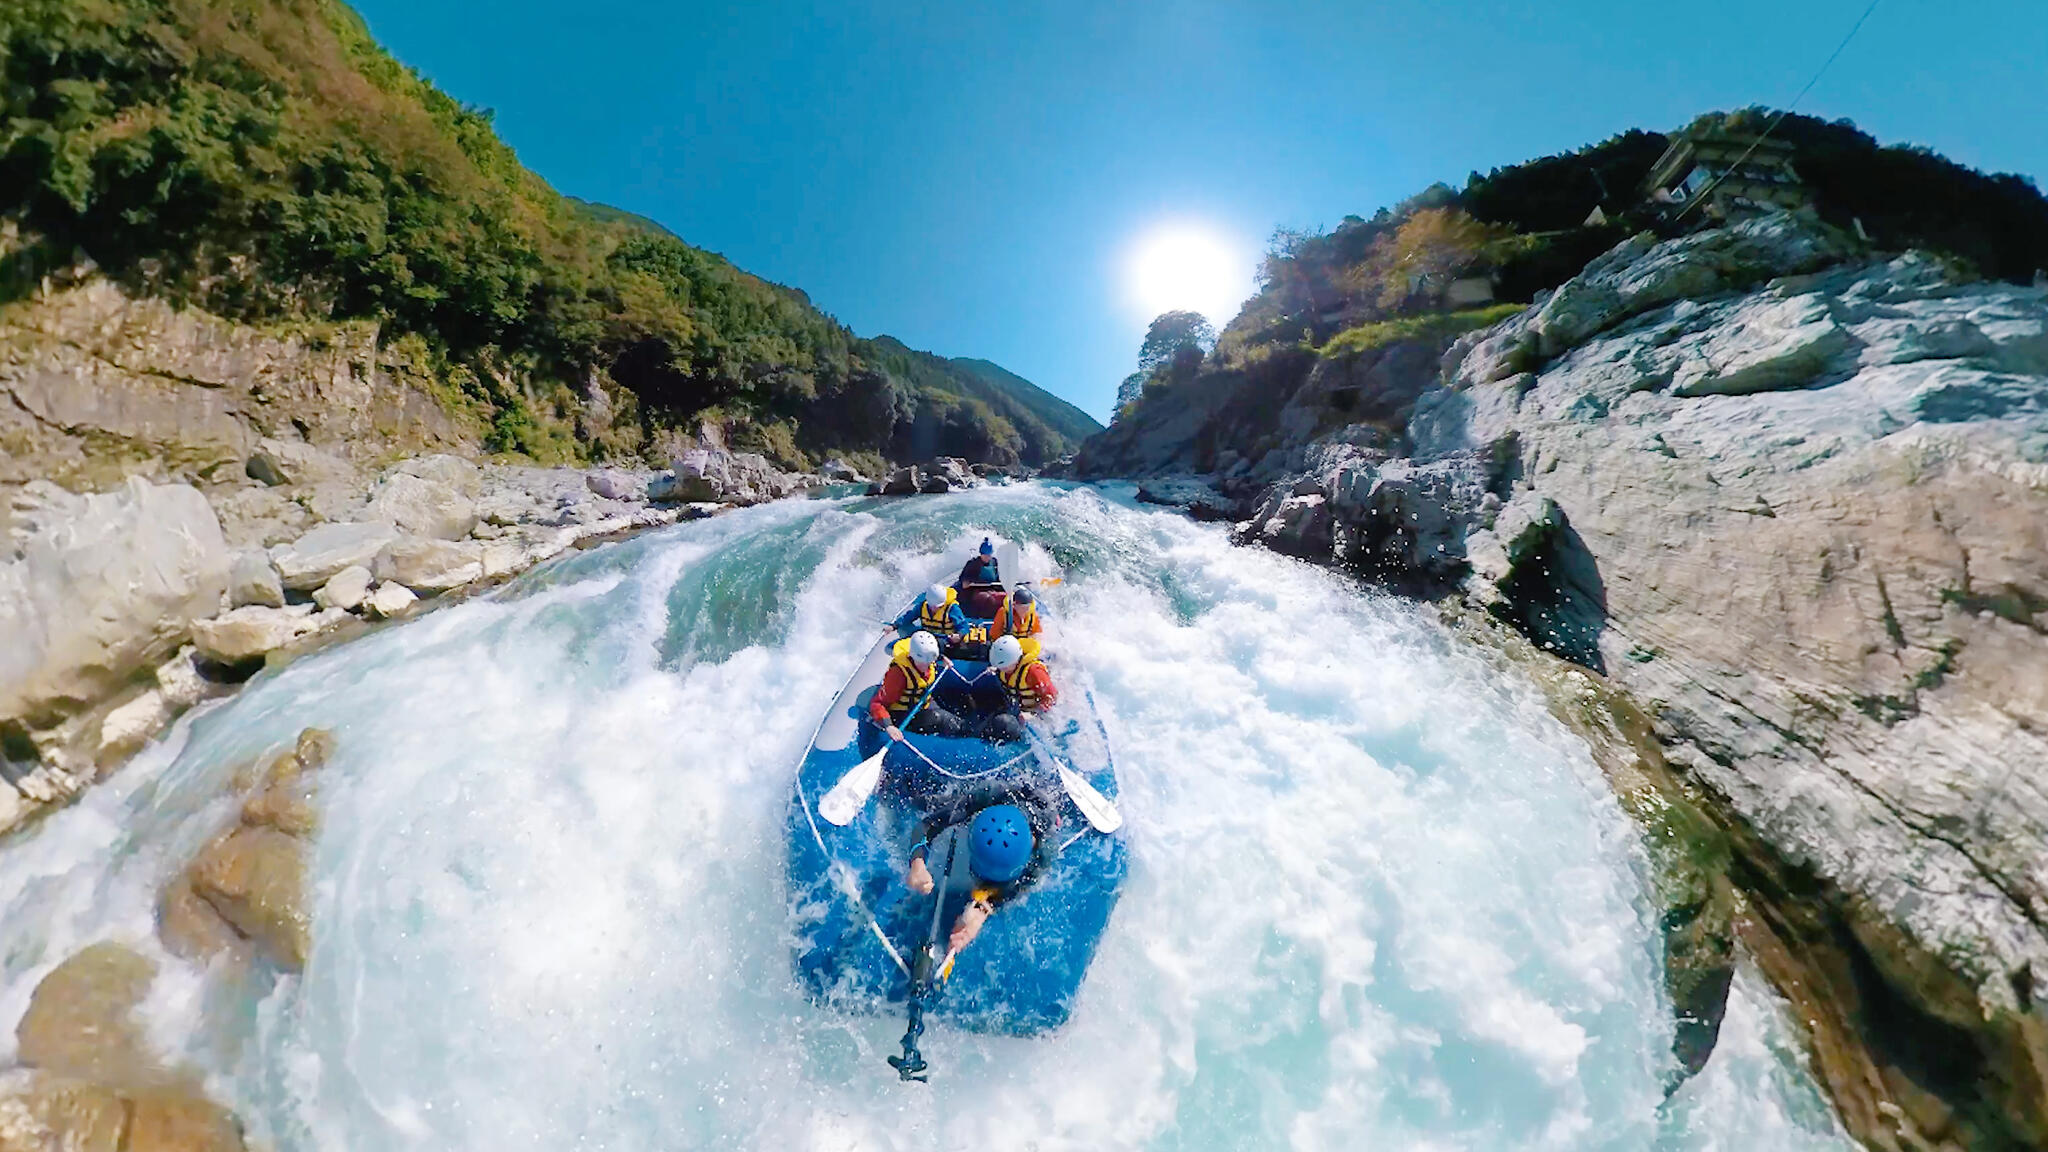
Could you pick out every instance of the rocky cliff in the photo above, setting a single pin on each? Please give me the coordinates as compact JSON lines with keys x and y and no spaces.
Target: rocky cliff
{"x":1790,"y":500}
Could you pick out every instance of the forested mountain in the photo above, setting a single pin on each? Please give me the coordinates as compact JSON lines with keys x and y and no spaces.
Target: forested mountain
{"x":268,"y":161}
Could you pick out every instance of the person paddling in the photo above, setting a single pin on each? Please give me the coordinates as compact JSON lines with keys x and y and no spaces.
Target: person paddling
{"x":1027,"y":687}
{"x":911,"y":676}
{"x":981,"y":569}
{"x":1009,"y":844}
{"x":937,"y":612}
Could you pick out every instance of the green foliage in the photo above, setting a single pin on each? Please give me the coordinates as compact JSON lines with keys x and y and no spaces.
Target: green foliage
{"x":1431,"y":326}
{"x":1171,"y":333}
{"x":267,"y":159}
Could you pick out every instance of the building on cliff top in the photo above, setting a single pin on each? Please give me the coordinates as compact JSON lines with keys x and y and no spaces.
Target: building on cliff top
{"x":1735,"y":172}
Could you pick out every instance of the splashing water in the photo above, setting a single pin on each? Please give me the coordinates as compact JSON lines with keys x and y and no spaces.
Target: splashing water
{"x":1378,"y":897}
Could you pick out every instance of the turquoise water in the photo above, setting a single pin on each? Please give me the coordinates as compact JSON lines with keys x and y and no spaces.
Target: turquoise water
{"x":1378,"y":898}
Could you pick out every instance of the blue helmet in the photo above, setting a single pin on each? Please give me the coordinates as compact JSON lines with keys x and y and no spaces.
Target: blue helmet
{"x":999,"y":843}
{"x":988,"y":547}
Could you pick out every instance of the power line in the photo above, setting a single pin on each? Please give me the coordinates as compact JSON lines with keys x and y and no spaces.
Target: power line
{"x":1708,"y":191}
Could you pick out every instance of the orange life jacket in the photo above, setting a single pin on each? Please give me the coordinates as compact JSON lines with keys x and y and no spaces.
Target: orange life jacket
{"x":1009,"y":622}
{"x":1017,"y":681}
{"x":915,"y":683}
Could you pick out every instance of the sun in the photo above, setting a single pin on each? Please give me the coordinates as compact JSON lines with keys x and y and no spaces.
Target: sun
{"x":1187,"y":266}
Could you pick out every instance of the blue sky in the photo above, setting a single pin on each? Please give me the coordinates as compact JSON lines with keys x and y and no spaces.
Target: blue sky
{"x":970,"y":177}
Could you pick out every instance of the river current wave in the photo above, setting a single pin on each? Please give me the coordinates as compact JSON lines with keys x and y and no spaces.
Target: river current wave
{"x":1378,"y":898}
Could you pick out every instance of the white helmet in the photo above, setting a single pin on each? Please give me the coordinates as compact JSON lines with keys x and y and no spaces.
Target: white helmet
{"x":1004,"y":653}
{"x":935,"y":596}
{"x":923,"y":647}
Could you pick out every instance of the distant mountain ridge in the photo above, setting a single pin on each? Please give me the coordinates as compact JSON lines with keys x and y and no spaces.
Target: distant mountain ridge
{"x":268,"y":162}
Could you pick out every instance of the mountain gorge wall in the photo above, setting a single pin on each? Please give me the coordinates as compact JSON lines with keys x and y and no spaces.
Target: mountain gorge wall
{"x":1791,"y":502}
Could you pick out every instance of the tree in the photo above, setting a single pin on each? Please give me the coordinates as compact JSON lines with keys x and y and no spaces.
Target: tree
{"x":1127,"y":393}
{"x":1434,"y":247}
{"x":1169,"y":333}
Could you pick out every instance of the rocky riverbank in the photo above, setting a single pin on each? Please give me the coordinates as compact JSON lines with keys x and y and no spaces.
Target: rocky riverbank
{"x":123,"y":608}
{"x":1787,"y":501}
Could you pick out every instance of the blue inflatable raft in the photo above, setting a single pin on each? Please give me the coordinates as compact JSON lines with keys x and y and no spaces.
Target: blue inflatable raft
{"x":859,"y":929}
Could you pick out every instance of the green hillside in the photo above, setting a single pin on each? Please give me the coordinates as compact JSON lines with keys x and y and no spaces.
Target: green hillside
{"x":1063,"y":418}
{"x":267,"y":160}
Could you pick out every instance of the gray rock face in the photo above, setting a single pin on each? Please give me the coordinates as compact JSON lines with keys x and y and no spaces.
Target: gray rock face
{"x":840,"y":472}
{"x":100,"y":587}
{"x":252,"y":580}
{"x":905,"y":481}
{"x":616,"y":485}
{"x":313,"y":559}
{"x":1795,"y":506}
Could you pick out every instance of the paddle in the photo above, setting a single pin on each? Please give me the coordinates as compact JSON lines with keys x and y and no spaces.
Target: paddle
{"x":851,"y":793}
{"x":926,"y":974}
{"x":1099,"y":809}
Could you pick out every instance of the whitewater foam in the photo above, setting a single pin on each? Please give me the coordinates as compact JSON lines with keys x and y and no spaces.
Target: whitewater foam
{"x":1378,"y":897}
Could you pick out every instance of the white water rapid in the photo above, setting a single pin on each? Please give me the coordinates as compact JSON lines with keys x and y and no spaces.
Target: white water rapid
{"x":1378,"y":898}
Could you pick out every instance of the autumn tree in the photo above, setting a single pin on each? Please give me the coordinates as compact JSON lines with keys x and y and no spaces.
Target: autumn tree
{"x":1433,"y":247}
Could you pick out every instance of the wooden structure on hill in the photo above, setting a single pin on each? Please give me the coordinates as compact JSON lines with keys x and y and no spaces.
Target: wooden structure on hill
{"x":1735,"y":172}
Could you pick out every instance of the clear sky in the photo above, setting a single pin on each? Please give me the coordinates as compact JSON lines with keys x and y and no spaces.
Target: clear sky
{"x":972,"y":177}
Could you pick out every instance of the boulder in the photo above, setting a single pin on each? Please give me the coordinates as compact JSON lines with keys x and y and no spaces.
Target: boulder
{"x":315,"y":558}
{"x":905,"y":481}
{"x":277,"y":463}
{"x":127,"y":728}
{"x":12,"y":807}
{"x":450,"y":472}
{"x":252,"y":580}
{"x":502,"y":558}
{"x":248,"y":634}
{"x":674,"y":488}
{"x":613,"y":485}
{"x":42,"y":1113}
{"x":391,"y":600}
{"x":840,"y":472}
{"x":424,"y":507}
{"x":346,"y":589}
{"x":429,"y":565}
{"x":935,"y":484}
{"x":81,"y":1018}
{"x":192,"y":928}
{"x":255,"y":878}
{"x":99,"y":588}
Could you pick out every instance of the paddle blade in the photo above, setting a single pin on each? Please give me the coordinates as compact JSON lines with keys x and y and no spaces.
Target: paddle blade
{"x":850,"y":795}
{"x":1101,"y":813}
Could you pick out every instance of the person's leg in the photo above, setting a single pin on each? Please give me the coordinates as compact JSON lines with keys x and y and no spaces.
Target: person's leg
{"x":1002,"y":728}
{"x":933,"y":720}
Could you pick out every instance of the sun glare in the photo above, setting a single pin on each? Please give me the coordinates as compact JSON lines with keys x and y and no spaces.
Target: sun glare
{"x":1187,"y":266}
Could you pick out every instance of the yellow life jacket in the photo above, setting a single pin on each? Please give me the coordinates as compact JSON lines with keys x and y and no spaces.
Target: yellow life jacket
{"x":1009,"y":623}
{"x":937,"y":621}
{"x":916,"y":683}
{"x":1017,"y":681}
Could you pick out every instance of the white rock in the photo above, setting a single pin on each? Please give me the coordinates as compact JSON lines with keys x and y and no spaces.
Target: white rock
{"x":451,"y":472}
{"x":502,"y":559}
{"x":391,"y":600}
{"x":100,"y":588}
{"x":613,"y":485}
{"x":424,"y":507}
{"x":252,"y":580}
{"x":313,"y":559}
{"x":430,"y":565}
{"x":180,"y":682}
{"x":246,"y":634}
{"x":12,"y":807}
{"x":127,"y":728}
{"x":346,"y":589}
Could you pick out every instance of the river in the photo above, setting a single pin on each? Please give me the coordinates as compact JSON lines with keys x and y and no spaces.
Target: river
{"x":1378,"y":898}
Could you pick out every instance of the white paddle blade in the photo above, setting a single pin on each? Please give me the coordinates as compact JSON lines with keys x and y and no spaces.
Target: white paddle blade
{"x":1101,"y":813}
{"x":850,"y":795}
